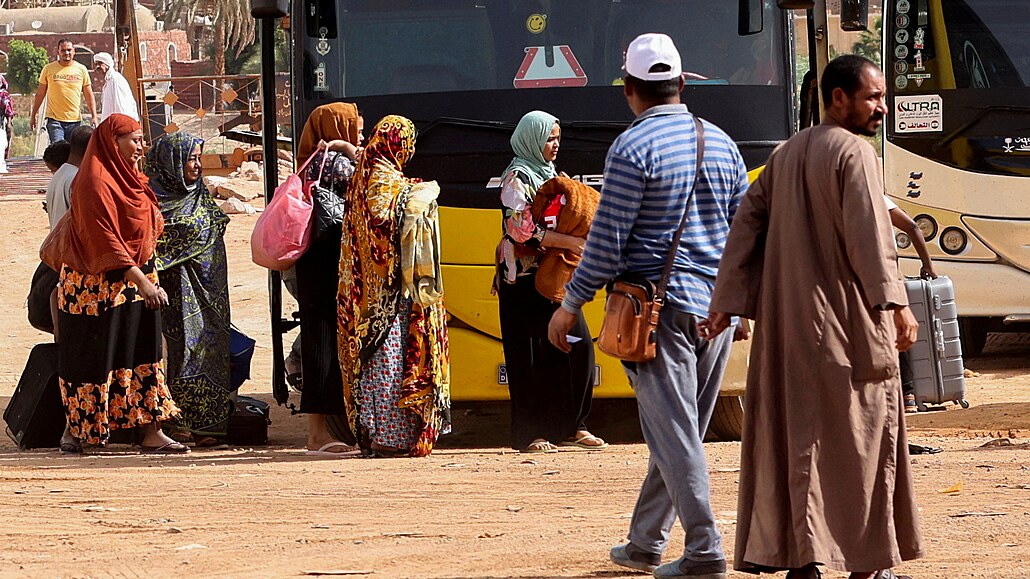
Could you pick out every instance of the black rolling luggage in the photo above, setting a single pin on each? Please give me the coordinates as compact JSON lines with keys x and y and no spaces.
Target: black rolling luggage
{"x":35,"y":415}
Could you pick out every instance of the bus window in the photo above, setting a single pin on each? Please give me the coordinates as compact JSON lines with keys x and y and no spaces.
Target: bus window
{"x":989,"y":46}
{"x":386,"y":47}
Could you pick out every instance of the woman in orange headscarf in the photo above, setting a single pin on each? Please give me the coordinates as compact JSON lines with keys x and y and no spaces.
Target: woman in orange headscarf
{"x":392,"y":335}
{"x":108,"y":296}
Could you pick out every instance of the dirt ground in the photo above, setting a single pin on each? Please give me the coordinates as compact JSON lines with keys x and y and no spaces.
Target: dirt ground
{"x":473,"y":509}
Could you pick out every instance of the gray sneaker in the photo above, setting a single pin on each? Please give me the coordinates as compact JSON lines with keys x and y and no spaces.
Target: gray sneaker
{"x":683,"y":569}
{"x":629,"y":555}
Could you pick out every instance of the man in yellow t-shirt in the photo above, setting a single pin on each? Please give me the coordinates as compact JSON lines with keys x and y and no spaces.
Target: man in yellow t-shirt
{"x":63,"y":84}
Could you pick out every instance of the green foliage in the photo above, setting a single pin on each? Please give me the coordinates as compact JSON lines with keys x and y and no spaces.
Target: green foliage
{"x":868,"y":44}
{"x":249,"y":60}
{"x":23,"y":142}
{"x":24,"y":63}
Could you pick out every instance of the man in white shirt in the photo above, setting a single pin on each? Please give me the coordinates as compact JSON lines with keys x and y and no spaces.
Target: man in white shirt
{"x":117,"y":96}
{"x":59,"y":190}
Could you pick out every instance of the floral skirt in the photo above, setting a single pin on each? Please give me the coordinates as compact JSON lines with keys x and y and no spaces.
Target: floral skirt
{"x":378,"y":394}
{"x":109,"y":355}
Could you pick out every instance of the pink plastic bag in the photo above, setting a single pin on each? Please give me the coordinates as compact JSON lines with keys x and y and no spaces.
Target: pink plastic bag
{"x":283,"y":231}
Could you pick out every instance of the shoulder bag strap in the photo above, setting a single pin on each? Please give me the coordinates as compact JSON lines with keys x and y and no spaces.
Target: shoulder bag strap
{"x":664,"y":282}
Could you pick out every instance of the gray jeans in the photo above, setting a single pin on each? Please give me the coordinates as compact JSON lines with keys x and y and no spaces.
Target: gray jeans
{"x":676,"y":395}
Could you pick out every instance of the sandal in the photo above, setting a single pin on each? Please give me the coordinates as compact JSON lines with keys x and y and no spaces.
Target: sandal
{"x":166,"y":448}
{"x":540,"y":447}
{"x":910,"y":403}
{"x":581,"y":442}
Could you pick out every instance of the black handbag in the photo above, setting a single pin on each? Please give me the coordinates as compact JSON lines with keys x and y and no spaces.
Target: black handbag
{"x":327,"y":210}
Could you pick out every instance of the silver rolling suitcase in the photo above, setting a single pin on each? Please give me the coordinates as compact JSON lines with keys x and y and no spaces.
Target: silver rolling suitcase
{"x":936,"y":357}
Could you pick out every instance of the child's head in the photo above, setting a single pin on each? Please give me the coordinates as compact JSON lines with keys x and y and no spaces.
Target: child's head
{"x":56,"y":155}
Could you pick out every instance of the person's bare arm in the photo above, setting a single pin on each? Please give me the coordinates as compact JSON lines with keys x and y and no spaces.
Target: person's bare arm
{"x":36,"y":103}
{"x":563,"y":241}
{"x":153,"y":296}
{"x":902,"y":221}
{"x":341,"y":146}
{"x":91,"y":103}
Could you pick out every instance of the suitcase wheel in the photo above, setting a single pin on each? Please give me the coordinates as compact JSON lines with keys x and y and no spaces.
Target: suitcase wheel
{"x":963,"y":402}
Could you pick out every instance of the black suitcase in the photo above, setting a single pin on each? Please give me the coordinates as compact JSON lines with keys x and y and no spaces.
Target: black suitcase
{"x":248,"y":424}
{"x":35,"y":414}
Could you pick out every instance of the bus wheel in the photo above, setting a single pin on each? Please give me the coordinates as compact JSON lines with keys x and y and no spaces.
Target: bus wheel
{"x":973,"y":336}
{"x":339,"y":428}
{"x":727,"y":420}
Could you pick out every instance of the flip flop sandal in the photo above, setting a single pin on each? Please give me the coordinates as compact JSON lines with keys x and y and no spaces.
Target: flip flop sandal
{"x":324,"y":451}
{"x":167,"y":448}
{"x":888,"y":574}
{"x":540,"y":448}
{"x":580,"y":443}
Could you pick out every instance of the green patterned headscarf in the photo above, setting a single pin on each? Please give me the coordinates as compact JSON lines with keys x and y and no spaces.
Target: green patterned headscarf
{"x":193,"y":221}
{"x":528,"y":142}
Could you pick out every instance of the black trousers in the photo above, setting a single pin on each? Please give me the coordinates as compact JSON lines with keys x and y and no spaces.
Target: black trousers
{"x":551,"y":391}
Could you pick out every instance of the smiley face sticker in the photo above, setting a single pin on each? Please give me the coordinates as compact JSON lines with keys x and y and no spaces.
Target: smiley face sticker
{"x":536,"y":23}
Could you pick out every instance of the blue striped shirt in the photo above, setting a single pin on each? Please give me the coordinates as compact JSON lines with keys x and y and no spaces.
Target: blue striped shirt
{"x":647,"y":177}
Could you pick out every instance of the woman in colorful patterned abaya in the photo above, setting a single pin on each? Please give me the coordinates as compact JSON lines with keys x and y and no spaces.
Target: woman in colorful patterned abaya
{"x":392,"y":333}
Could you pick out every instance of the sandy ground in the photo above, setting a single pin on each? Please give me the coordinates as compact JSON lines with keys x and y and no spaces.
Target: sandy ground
{"x":473,"y":509}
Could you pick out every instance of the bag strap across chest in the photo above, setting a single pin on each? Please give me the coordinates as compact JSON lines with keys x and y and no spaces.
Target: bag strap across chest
{"x":663,"y":283}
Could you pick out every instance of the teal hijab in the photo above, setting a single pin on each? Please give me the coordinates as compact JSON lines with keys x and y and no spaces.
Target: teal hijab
{"x":528,"y":142}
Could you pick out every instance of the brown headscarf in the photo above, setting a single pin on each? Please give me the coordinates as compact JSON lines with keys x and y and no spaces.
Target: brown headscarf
{"x":327,"y":123}
{"x":114,"y":221}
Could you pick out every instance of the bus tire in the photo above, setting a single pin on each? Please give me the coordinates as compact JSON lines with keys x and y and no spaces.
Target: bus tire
{"x":973,"y":336}
{"x":339,"y":428}
{"x":727,"y":419}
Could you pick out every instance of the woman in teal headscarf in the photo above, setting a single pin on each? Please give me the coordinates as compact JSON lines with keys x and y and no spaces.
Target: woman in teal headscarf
{"x":193,"y":269}
{"x":550,"y":391}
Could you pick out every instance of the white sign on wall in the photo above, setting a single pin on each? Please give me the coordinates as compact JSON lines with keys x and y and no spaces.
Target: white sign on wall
{"x":918,"y":114}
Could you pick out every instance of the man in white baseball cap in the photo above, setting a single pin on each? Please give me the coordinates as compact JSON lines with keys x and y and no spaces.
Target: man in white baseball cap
{"x":117,"y":96}
{"x":653,"y":57}
{"x":649,"y":186}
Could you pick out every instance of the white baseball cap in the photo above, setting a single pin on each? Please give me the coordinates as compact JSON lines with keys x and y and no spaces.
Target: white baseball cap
{"x":648,"y":50}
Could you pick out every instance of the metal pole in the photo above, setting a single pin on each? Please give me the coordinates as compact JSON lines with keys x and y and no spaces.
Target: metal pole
{"x":269,"y":138}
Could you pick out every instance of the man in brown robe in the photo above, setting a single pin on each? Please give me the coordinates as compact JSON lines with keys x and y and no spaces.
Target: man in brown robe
{"x":825,"y":477}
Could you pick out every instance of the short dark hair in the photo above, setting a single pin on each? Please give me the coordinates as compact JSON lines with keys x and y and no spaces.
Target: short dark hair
{"x":62,"y":41}
{"x":845,"y":73}
{"x":653,"y":90}
{"x":79,"y":139}
{"x":57,"y":153}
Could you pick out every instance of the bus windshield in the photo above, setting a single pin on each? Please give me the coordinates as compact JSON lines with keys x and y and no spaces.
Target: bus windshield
{"x":357,"y":48}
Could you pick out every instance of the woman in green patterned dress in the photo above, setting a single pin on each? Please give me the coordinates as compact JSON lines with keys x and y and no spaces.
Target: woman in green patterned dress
{"x":192,"y":264}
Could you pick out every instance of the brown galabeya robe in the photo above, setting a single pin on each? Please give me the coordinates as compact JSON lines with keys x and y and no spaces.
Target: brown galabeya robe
{"x":824,"y":465}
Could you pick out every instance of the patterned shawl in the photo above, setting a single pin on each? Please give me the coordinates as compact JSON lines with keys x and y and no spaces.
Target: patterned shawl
{"x":193,"y":221}
{"x":370,"y":284}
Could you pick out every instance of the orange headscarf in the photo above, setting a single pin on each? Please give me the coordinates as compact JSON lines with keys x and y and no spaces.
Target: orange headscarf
{"x":327,"y":123}
{"x":114,"y":218}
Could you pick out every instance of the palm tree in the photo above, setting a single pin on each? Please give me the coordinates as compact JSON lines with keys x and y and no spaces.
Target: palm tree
{"x":234,"y":28}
